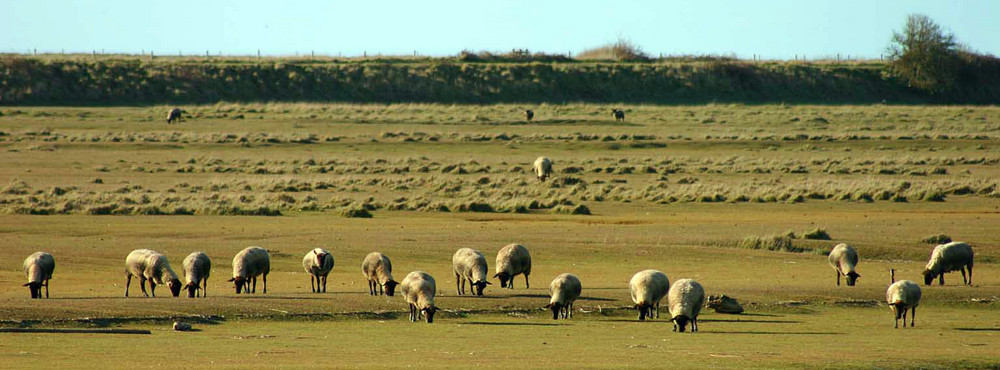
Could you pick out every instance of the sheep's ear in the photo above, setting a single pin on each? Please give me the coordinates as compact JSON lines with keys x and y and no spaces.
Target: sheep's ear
{"x":231,"y":279}
{"x":488,"y":283}
{"x":547,"y":306}
{"x":496,"y":275}
{"x":26,"y":284}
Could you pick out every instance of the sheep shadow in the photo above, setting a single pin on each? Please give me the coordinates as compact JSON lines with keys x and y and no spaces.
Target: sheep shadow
{"x":738,"y":321}
{"x":486,"y":323}
{"x":978,"y":329}
{"x":772,"y":332}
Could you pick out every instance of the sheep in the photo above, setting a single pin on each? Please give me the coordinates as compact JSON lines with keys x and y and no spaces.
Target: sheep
{"x":529,"y":115}
{"x":175,"y":114}
{"x":647,"y":288}
{"x":618,"y":114}
{"x":949,"y":257}
{"x":378,"y":270}
{"x":542,"y":168}
{"x":902,"y":296}
{"x":197,"y":267}
{"x":38,"y":268}
{"x":469,"y":265}
{"x":318,"y":263}
{"x":147,"y":264}
{"x":418,"y":289}
{"x":512,"y":260}
{"x":565,"y":289}
{"x":247,"y":266}
{"x":843,"y":258}
{"x":684,"y":301}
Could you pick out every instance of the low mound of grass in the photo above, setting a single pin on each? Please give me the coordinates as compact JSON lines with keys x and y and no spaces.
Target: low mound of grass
{"x":936,"y":239}
{"x":779,"y":243}
{"x":817,"y":234}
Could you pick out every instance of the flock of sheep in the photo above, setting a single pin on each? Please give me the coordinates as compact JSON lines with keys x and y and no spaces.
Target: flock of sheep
{"x":685,"y":297}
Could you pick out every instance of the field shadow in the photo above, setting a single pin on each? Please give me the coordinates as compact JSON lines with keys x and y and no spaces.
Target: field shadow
{"x":771,"y":332}
{"x":510,"y":323}
{"x":978,"y":329}
{"x":752,"y":321}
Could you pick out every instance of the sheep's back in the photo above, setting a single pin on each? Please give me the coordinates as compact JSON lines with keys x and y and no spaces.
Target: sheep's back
{"x":648,"y":286}
{"x":565,"y":288}
{"x":686,"y":298}
{"x":251,"y":262}
{"x":514,"y":259}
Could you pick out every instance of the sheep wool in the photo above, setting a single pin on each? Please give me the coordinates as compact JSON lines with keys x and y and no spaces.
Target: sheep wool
{"x":147,"y":264}
{"x":418,"y":290}
{"x":248,"y":264}
{"x":947,"y":258}
{"x":318,"y":263}
{"x":38,"y":268}
{"x":197,"y":267}
{"x":685,"y":301}
{"x":469,"y":265}
{"x":377,"y":269}
{"x":648,"y":287}
{"x":903,"y":296}
{"x":542,"y":168}
{"x":843,"y":258}
{"x":513,"y":260}
{"x":564,"y":289}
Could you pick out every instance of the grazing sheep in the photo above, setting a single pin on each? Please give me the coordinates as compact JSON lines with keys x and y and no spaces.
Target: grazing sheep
{"x":844,"y":258}
{"x":565,"y":289}
{"x":902,"y":296}
{"x":197,"y":267}
{"x":685,"y":300}
{"x":175,"y":114}
{"x":469,"y":265}
{"x":512,"y":260}
{"x":147,"y":264}
{"x":418,"y":289}
{"x":38,"y":268}
{"x":947,"y":258}
{"x":247,"y":266}
{"x":529,"y":115}
{"x":378,"y":270}
{"x":542,"y":168}
{"x":647,"y":288}
{"x":318,"y":263}
{"x":618,"y":114}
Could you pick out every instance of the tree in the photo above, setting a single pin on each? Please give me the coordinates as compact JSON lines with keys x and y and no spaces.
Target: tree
{"x":925,"y":55}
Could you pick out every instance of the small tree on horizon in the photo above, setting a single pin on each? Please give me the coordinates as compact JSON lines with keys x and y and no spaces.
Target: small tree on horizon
{"x":925,"y":55}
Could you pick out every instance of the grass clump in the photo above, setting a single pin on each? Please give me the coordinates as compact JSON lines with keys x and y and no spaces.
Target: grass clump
{"x":816,"y":234}
{"x":355,"y":211}
{"x":779,"y":243}
{"x":936,"y":239}
{"x":579,"y":209}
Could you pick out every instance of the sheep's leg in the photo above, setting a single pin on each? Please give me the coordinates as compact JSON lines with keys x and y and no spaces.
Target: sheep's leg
{"x":204,"y":289}
{"x":657,"y":310}
{"x":142,"y":284}
{"x":265,"y":283}
{"x":312,"y":283}
{"x":254,"y":290}
{"x":904,"y":317}
{"x":913,"y":316}
{"x":152,"y":287}
{"x":969,"y":267}
{"x":964,"y":281}
{"x":47,"y":287}
{"x":694,"y":324}
{"x":324,"y":283}
{"x":458,"y":286}
{"x":838,"y":278}
{"x":941,"y":278}
{"x":128,"y":282}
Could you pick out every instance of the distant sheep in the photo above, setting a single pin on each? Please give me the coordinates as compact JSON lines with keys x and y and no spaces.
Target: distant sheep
{"x":38,"y":268}
{"x":418,"y":289}
{"x":247,"y":266}
{"x":618,"y":114}
{"x":513,"y":260}
{"x":147,"y":264}
{"x":175,"y":115}
{"x":564,"y":289}
{"x":469,"y":265}
{"x":542,"y":168}
{"x":197,"y":267}
{"x":318,"y":263}
{"x":529,"y":115}
{"x":647,"y":288}
{"x":843,"y":258}
{"x":378,"y":270}
{"x":685,"y":300}
{"x":947,"y":258}
{"x":902,"y":296}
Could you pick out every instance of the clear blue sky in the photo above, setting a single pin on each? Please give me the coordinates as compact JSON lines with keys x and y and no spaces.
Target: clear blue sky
{"x":776,"y":29}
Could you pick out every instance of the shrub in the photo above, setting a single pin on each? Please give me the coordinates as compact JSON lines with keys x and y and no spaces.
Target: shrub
{"x":817,"y":234}
{"x":771,"y":243}
{"x":355,"y":211}
{"x":936,"y":239}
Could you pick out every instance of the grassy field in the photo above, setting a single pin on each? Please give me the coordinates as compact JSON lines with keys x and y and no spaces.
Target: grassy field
{"x":676,"y":188}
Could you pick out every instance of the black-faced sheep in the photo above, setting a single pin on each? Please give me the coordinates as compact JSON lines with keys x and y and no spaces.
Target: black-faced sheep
{"x":542,"y":168}
{"x":949,"y":257}
{"x":378,"y":270}
{"x":618,"y":114}
{"x":902,"y":296}
{"x":197,"y":267}
{"x":513,"y":260}
{"x":647,"y":288}
{"x":418,"y":289}
{"x":685,"y":300}
{"x":469,"y":265}
{"x":150,"y":265}
{"x":318,"y":263}
{"x":843,"y":258}
{"x":247,"y":266}
{"x":38,"y":268}
{"x":564,"y":289}
{"x":529,"y":115}
{"x":175,"y":115}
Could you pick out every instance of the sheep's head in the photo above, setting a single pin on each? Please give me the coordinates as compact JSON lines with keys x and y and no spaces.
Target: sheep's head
{"x":505,"y":277}
{"x":429,"y":313}
{"x":644,"y":311}
{"x":480,"y":285}
{"x":175,"y":287}
{"x":239,"y":282}
{"x":192,"y":288}
{"x":390,"y":287}
{"x":852,"y":278}
{"x":929,"y":276}
{"x":35,"y":288}
{"x":554,"y":307}
{"x":680,"y":323}
{"x":320,"y":258}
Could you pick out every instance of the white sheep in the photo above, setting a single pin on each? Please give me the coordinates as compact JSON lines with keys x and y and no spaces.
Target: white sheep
{"x":469,"y":265}
{"x":318,"y":263}
{"x":564,"y":289}
{"x":647,"y":288}
{"x":247,"y":266}
{"x":902,"y":296}
{"x":38,"y":268}
{"x":378,"y":270}
{"x":147,"y":264}
{"x":684,"y":301}
{"x":843,"y":258}
{"x":418,"y":289}
{"x":618,"y":114}
{"x":197,"y":267}
{"x":947,"y":258}
{"x":542,"y":168}
{"x":512,"y":260}
{"x":175,"y":114}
